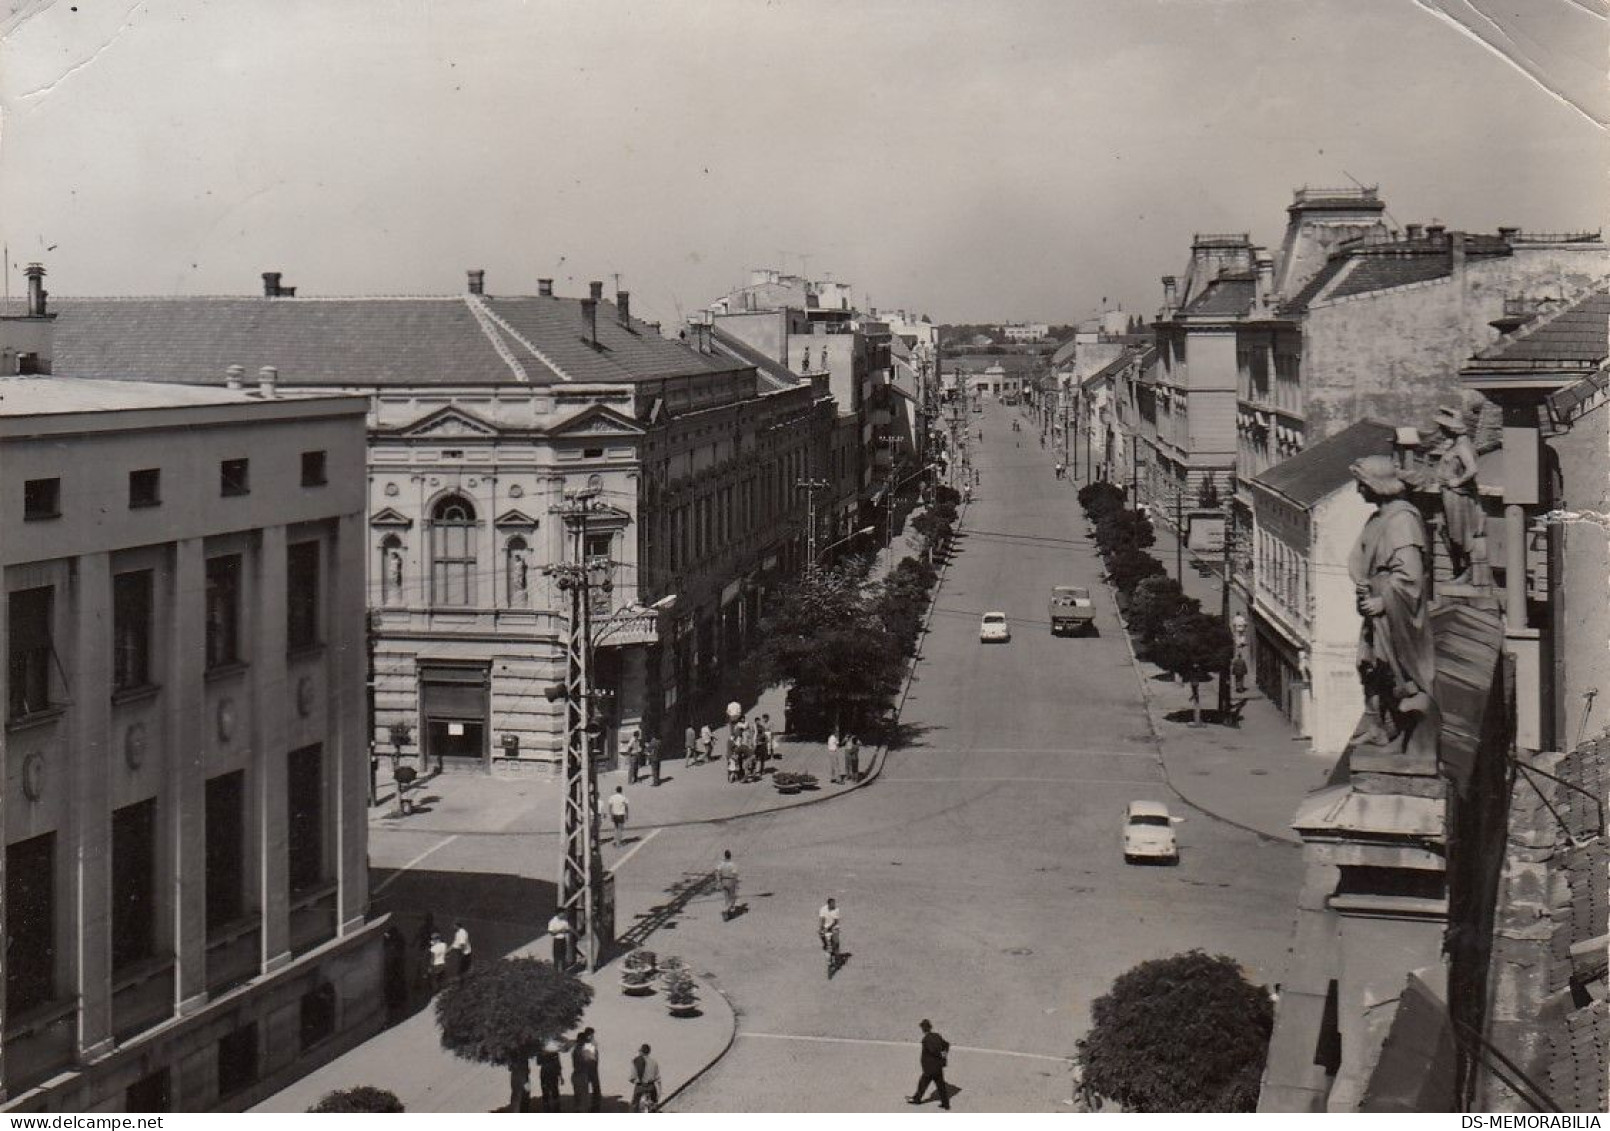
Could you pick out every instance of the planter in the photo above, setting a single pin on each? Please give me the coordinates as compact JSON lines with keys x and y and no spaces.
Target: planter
{"x":789,"y":789}
{"x":637,"y":989}
{"x":683,"y":1009}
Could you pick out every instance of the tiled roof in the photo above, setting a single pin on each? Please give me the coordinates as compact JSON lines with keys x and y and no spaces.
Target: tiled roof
{"x":463,"y":339}
{"x":1577,"y":1063}
{"x":1380,"y":273}
{"x":1227,"y":296}
{"x":1064,"y":352}
{"x":1316,"y":471}
{"x":55,"y":394}
{"x":1576,"y":333}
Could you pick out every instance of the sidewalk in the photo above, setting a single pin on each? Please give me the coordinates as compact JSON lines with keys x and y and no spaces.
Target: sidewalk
{"x":1254,"y":775}
{"x":408,"y":1060}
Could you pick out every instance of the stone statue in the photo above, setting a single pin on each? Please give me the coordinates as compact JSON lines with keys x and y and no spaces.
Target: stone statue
{"x":1461,"y":501}
{"x":394,"y":569}
{"x":1390,"y":567}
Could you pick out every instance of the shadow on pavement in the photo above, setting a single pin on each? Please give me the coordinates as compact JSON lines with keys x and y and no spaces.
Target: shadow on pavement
{"x":903,"y":735}
{"x":664,"y":915}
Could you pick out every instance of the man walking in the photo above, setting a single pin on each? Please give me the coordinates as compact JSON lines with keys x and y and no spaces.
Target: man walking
{"x":461,"y":946}
{"x":935,"y":1052}
{"x":634,"y":756}
{"x":690,"y":746}
{"x":654,"y":759}
{"x":617,"y":815}
{"x":852,"y":759}
{"x":584,"y":1072}
{"x":834,"y":761}
{"x":645,"y":1081}
{"x":727,"y":877}
{"x":550,"y":1072}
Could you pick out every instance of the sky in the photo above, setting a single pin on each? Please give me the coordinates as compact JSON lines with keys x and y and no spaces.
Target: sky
{"x":1020,"y":159}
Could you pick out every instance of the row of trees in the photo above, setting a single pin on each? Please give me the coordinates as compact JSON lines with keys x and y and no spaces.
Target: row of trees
{"x":841,"y":640}
{"x":1169,"y":628}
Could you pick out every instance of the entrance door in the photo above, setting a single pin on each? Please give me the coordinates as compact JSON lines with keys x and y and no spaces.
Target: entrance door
{"x":453,"y":704}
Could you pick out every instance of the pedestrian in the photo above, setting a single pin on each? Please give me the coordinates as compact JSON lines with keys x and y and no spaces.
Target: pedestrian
{"x":550,"y":1074}
{"x":835,"y":763}
{"x":618,"y":809}
{"x":734,"y":765}
{"x":427,"y":931}
{"x":520,"y":1084}
{"x":563,"y":934}
{"x":461,"y":947}
{"x":690,"y":746}
{"x":727,"y":877}
{"x":654,"y":759}
{"x":1238,"y":628}
{"x":852,"y":759}
{"x":584,"y":1071}
{"x":438,"y":962}
{"x":1238,"y":669}
{"x":645,"y":1080}
{"x":634,"y":755}
{"x":762,"y":746}
{"x":935,"y":1053}
{"x":707,"y":744}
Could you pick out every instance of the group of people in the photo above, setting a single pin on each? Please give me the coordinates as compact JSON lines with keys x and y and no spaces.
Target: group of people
{"x":744,"y":746}
{"x":584,"y":1082}
{"x":844,"y":757}
{"x":441,"y":960}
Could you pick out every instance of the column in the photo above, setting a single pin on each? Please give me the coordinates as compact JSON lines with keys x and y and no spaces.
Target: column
{"x":186,"y":798}
{"x":270,"y":705}
{"x":88,"y":731}
{"x":347,"y":743}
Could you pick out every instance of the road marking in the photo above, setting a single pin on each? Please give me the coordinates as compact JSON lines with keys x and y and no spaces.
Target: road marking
{"x":901,"y":1045}
{"x":415,"y":862}
{"x":1039,"y":781}
{"x":631,"y":852}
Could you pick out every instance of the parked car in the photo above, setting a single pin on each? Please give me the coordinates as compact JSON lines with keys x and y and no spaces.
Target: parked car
{"x":1072,"y":610}
{"x":1149,"y":833}
{"x":993,"y":629}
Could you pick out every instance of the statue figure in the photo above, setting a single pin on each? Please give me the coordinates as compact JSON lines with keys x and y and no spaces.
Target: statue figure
{"x":1461,"y":502}
{"x":394,"y":569}
{"x":1390,"y":568}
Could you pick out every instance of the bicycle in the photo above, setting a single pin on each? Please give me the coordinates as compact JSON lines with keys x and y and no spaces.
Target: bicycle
{"x":830,"y":944}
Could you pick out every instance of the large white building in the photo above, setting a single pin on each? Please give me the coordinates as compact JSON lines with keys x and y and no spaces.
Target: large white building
{"x":186,"y":764}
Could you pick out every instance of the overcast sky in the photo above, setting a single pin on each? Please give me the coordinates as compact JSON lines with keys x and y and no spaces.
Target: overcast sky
{"x":977,"y":161}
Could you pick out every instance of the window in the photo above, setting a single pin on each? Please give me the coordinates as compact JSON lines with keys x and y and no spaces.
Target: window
{"x":234,"y":477}
{"x":313,"y":469}
{"x":145,"y":487}
{"x":41,"y":499}
{"x":30,"y":923}
{"x":31,"y":649}
{"x":131,"y":630}
{"x":237,"y":1061}
{"x":318,"y":1015}
{"x":223,"y":611}
{"x":302,"y":595}
{"x":134,"y":904}
{"x":452,"y":536}
{"x":305,"y":800}
{"x":226,"y":849}
{"x":592,"y":453}
{"x":598,"y":549}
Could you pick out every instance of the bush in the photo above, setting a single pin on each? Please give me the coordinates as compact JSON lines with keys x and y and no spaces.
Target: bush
{"x":347,"y":1101}
{"x":503,"y":1012}
{"x":1099,"y":498}
{"x":1120,"y":530}
{"x":1187,"y":1033}
{"x":944,"y":494}
{"x":1156,"y":601}
{"x":1195,"y":646}
{"x":1128,"y":568}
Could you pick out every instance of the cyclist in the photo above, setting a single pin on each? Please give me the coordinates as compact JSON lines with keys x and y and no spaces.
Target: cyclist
{"x":827,"y":925}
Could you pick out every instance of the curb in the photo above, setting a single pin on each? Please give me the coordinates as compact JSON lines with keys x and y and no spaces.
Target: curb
{"x":1162,"y":751}
{"x":732,"y":1039}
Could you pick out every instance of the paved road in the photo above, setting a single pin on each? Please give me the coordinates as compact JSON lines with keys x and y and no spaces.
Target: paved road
{"x":981,"y":878}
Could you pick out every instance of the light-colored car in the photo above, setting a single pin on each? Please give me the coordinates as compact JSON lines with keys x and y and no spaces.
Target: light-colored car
{"x":993,"y":629}
{"x":1149,"y":833}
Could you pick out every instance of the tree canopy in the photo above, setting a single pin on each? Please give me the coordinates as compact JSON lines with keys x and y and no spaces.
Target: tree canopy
{"x":1194,"y":646}
{"x":1128,"y":568}
{"x":1120,"y":529}
{"x":505,"y":1010}
{"x":346,"y":1101}
{"x":1156,"y":601}
{"x":1187,"y":1033}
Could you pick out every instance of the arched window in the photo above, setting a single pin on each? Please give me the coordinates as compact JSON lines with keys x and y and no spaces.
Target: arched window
{"x":391,"y":570}
{"x":517,"y":569}
{"x":452,"y":552}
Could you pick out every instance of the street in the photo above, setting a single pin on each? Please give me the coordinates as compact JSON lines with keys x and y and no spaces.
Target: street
{"x":981,"y":878}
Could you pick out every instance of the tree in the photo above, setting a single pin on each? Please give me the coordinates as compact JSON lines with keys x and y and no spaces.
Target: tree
{"x":1187,"y":1033}
{"x":1099,"y":498}
{"x":1156,"y":601}
{"x":503,"y":1012}
{"x":1128,"y":568}
{"x":1120,"y":530}
{"x":1194,"y":647}
{"x":346,"y":1101}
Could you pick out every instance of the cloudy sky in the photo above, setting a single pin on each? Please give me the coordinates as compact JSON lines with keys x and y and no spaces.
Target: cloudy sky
{"x":977,"y":161}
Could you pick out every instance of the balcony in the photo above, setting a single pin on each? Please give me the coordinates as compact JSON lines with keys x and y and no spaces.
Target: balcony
{"x":234,"y":953}
{"x":40,"y":1042}
{"x":142,"y":996}
{"x":312,"y":917}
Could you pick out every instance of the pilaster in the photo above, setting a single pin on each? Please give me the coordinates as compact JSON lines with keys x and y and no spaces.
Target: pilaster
{"x":270,"y":705}
{"x":88,"y":731}
{"x":187,"y":775}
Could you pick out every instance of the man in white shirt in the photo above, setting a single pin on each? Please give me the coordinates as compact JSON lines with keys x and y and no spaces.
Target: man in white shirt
{"x":559,"y":927}
{"x":461,"y":947}
{"x":827,"y":920}
{"x":617,"y":808}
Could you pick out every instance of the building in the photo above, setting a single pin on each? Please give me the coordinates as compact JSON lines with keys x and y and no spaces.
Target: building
{"x":186,"y":876}
{"x":1020,"y":332}
{"x":488,"y":412}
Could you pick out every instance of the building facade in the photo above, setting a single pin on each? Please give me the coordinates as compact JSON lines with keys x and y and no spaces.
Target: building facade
{"x":186,"y":878}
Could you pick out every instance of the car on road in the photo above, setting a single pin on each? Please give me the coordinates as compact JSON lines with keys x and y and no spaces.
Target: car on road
{"x":1149,"y":833}
{"x":993,"y":629}
{"x":1072,"y":610}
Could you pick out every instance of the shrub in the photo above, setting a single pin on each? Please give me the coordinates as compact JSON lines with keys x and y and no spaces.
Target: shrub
{"x":1100,"y":497}
{"x":347,"y":1101}
{"x":1123,"y":530}
{"x":1128,"y":568}
{"x":1187,"y":1033}
{"x":503,"y":1012}
{"x":944,"y":494}
{"x":1156,"y":601}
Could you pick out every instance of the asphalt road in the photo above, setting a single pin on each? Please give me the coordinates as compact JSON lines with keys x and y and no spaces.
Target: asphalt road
{"x":981,"y":878}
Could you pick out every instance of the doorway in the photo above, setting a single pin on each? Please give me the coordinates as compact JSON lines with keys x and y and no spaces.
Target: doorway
{"x":454,"y":703}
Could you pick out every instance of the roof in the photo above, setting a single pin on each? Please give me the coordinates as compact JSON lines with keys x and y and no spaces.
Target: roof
{"x":1576,"y":333}
{"x":977,"y":363}
{"x":773,"y":373}
{"x":1229,"y":295}
{"x":1064,"y":352}
{"x":22,"y":396}
{"x":1316,"y":471}
{"x":1367,"y":267}
{"x":1148,"y":809}
{"x":448,"y":340}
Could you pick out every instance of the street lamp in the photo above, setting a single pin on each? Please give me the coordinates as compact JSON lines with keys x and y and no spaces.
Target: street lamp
{"x":847,"y":538}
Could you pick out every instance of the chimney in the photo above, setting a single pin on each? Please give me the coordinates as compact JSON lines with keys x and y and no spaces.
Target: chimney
{"x":36,"y":290}
{"x":234,"y":377}
{"x":589,"y":317}
{"x":623,"y":306}
{"x":1434,"y":232}
{"x":596,"y":289}
{"x":271,"y":284}
{"x":1169,"y":295}
{"x":268,"y":380}
{"x":1508,"y":234}
{"x":1266,"y":280}
{"x":1413,"y":231}
{"x":545,"y":288}
{"x":477,"y":282}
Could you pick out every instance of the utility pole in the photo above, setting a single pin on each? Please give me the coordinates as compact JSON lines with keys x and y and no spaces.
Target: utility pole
{"x":585,"y":889}
{"x":1090,"y":434}
{"x":811,"y":486}
{"x":1224,"y":611}
{"x":370,"y":622}
{"x":1179,"y":534}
